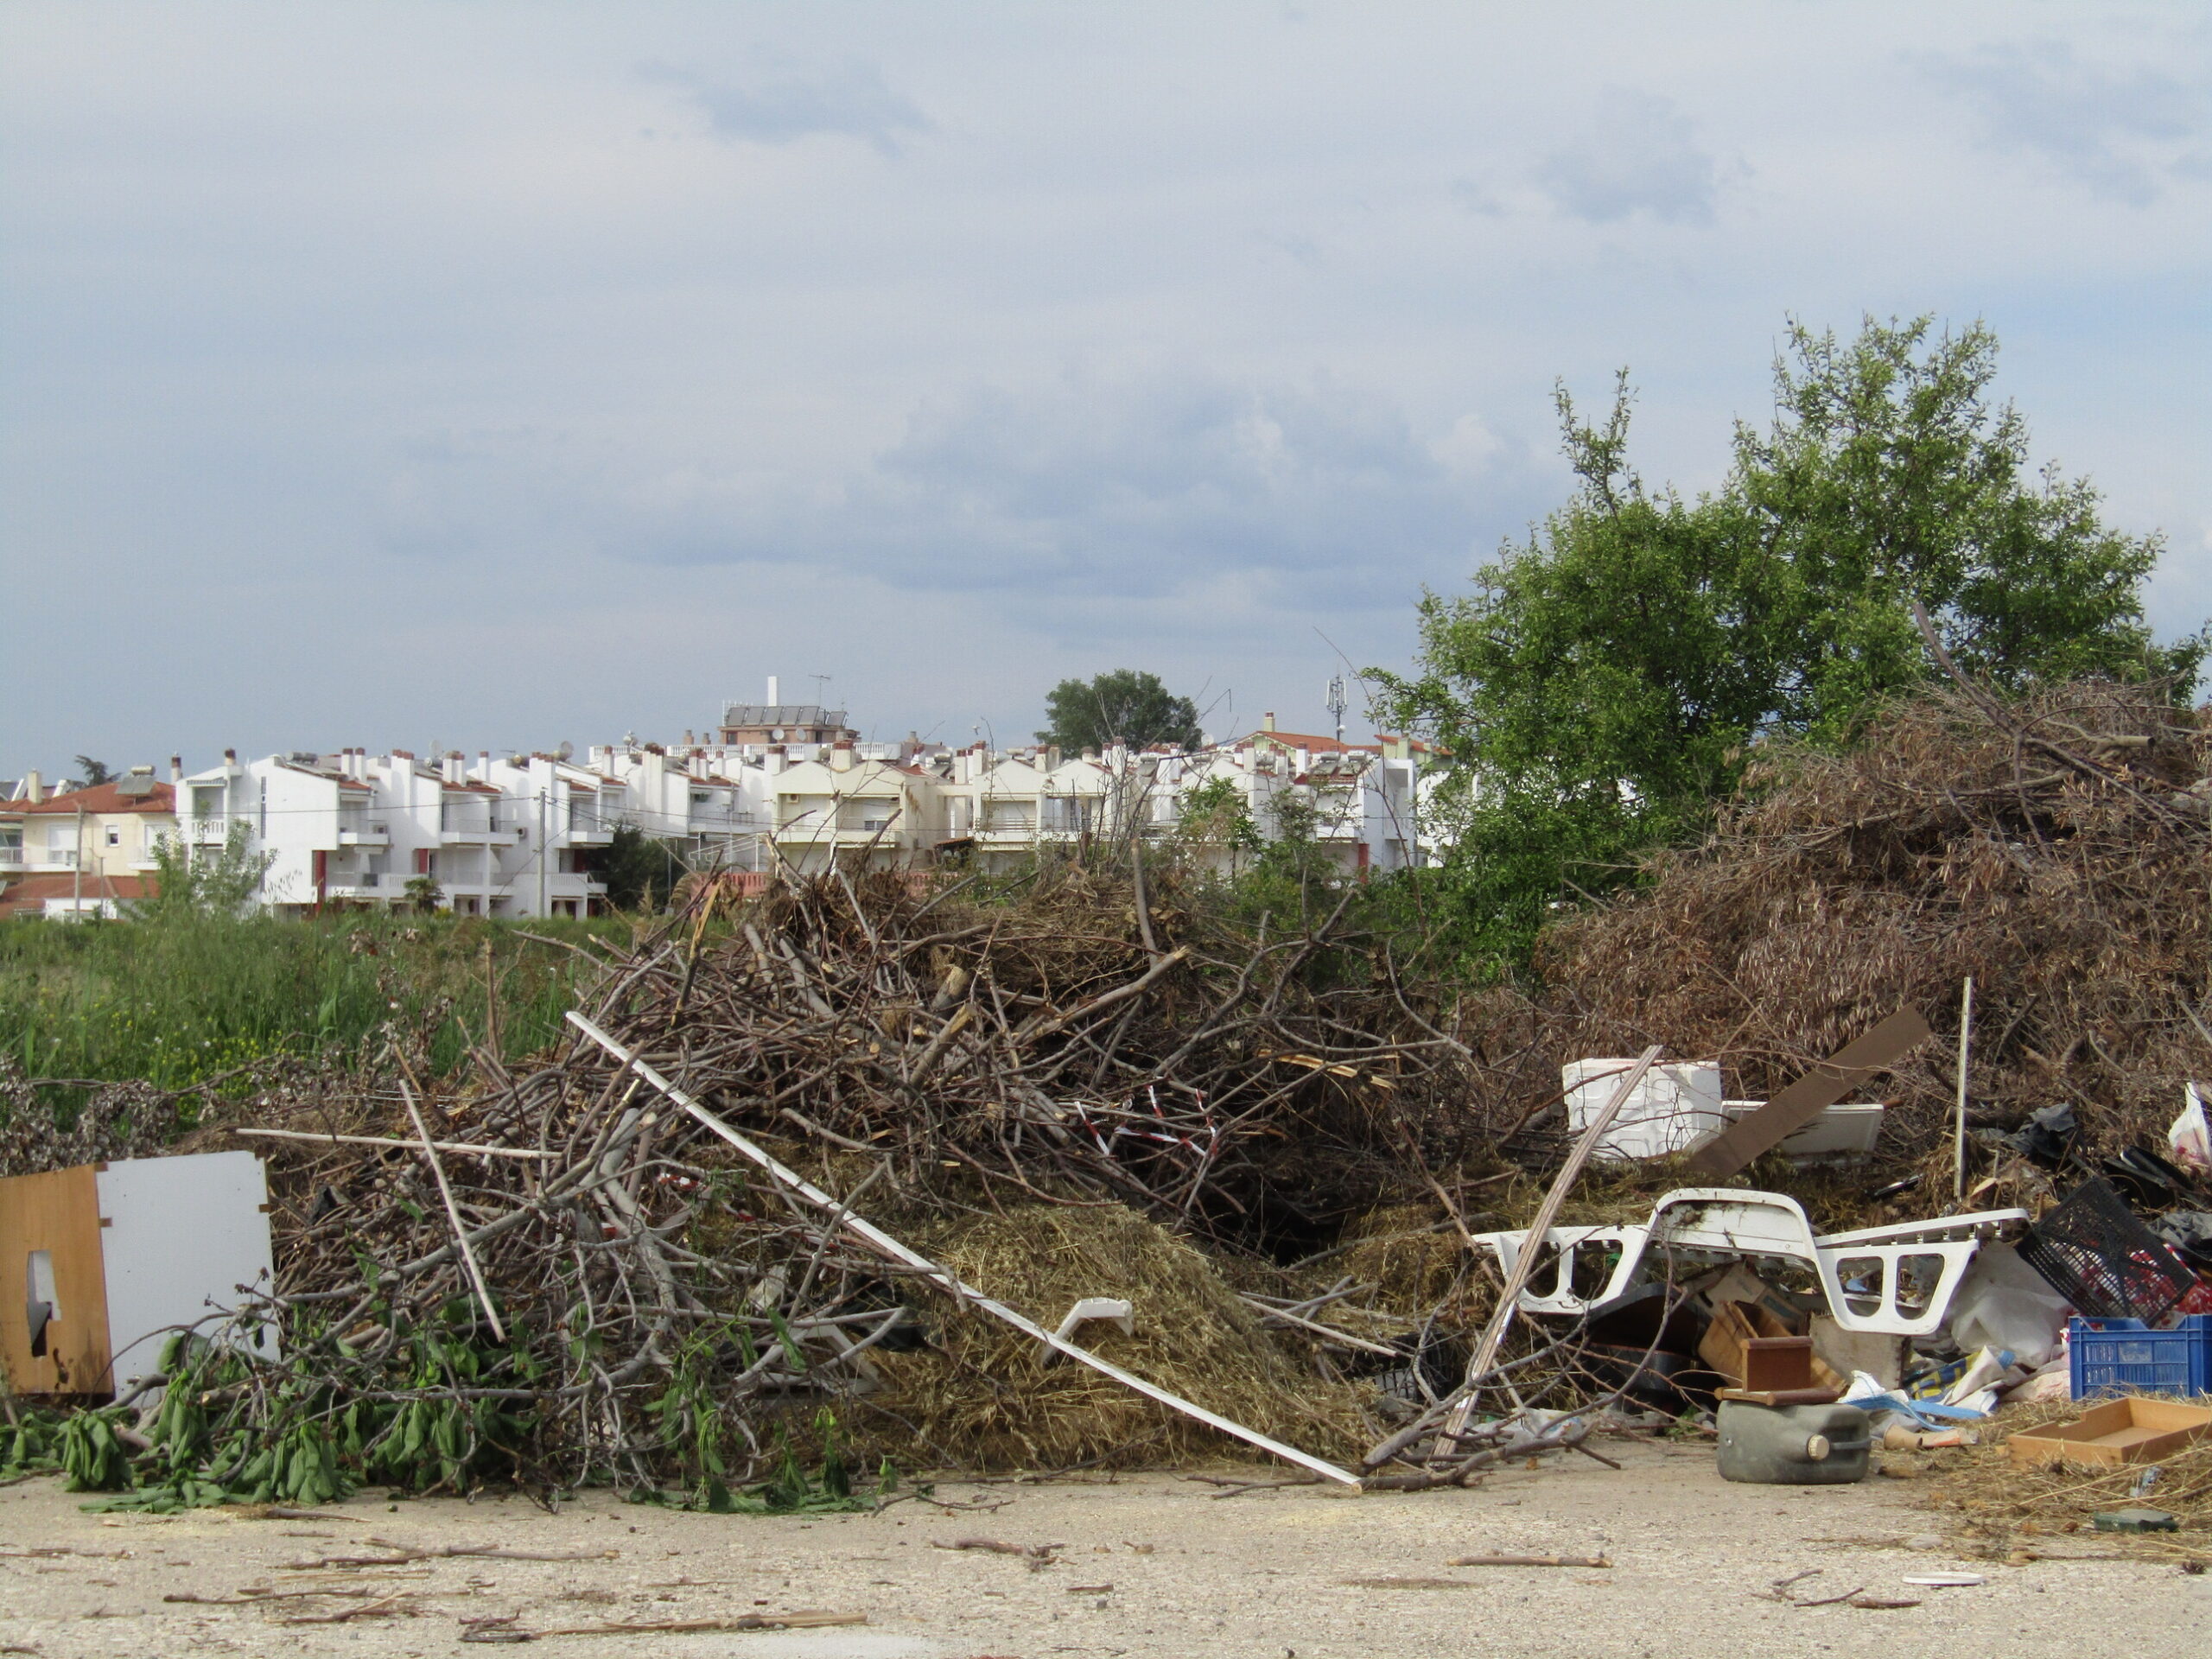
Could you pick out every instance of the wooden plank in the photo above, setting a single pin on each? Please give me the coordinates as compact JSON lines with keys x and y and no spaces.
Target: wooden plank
{"x":57,"y":1213}
{"x":1812,"y":1094}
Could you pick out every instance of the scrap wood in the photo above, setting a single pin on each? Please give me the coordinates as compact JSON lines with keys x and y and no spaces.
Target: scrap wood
{"x":1327,"y":1333}
{"x":1396,"y":1583}
{"x":802,"y":1620}
{"x":996,"y":1546}
{"x":469,"y":1148}
{"x":384,"y":1609}
{"x":403,"y":1553}
{"x":1532,"y":1560}
{"x":1813,"y":1093}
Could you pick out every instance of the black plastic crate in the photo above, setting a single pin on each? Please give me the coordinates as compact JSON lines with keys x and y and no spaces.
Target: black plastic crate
{"x":2094,"y":1251}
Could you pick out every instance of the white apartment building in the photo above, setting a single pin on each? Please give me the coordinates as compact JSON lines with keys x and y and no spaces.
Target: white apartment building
{"x":561,"y":816}
{"x":711,"y":802}
{"x":844,"y":810}
{"x":515,"y":839}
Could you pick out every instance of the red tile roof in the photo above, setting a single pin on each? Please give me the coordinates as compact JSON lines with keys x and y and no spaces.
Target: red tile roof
{"x":28,"y":898}
{"x":101,"y":798}
{"x":1313,"y":741}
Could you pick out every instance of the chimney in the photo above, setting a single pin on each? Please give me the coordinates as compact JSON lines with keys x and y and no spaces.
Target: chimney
{"x":775,"y":693}
{"x":1267,"y":721}
{"x":176,"y":768}
{"x":451,"y":768}
{"x":33,"y":787}
{"x":841,"y":755}
{"x":1051,"y":758}
{"x":231,"y":760}
{"x":771,"y":762}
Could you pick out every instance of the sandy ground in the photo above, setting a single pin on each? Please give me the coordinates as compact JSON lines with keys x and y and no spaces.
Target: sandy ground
{"x":1153,"y":1564}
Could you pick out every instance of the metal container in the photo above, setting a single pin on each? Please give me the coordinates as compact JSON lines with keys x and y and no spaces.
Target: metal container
{"x":1794,"y":1446}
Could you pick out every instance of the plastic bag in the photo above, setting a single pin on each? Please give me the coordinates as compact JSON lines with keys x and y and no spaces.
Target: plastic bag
{"x":2002,"y":1302}
{"x":2190,"y":1137}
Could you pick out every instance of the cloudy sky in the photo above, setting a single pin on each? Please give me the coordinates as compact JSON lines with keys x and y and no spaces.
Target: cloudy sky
{"x":492,"y":375}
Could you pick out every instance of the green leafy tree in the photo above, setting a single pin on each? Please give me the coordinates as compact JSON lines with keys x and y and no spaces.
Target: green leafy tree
{"x":219,"y":881}
{"x":1602,"y":685}
{"x":1127,"y":705}
{"x":641,"y":873}
{"x":1213,"y":823}
{"x":95,"y":772}
{"x":425,"y":893}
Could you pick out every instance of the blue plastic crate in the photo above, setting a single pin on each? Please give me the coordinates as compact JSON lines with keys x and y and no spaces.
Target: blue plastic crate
{"x":2127,"y":1356}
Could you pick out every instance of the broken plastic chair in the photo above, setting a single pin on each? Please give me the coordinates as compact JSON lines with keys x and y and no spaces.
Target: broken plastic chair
{"x":1894,"y":1281}
{"x":1111,"y":1309}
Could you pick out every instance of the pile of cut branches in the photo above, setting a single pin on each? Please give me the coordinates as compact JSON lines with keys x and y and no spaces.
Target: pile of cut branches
{"x":553,"y":1276}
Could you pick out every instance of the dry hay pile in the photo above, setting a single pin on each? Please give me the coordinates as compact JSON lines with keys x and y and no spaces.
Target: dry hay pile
{"x":2056,"y":850}
{"x":2008,"y":1506}
{"x":982,"y":1395}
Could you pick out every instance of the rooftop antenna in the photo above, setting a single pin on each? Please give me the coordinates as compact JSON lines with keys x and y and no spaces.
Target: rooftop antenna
{"x":821,"y":689}
{"x":1339,"y":703}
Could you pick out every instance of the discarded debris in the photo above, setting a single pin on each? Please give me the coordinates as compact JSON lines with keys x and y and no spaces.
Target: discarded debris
{"x":1529,"y":1561}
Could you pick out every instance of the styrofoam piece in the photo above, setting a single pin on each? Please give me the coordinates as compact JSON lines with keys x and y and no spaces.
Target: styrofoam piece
{"x":1846,"y":1129}
{"x":1672,"y":1108}
{"x":178,"y":1237}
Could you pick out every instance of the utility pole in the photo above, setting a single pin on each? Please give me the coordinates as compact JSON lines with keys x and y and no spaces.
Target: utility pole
{"x":543,"y":852}
{"x":77,"y":891}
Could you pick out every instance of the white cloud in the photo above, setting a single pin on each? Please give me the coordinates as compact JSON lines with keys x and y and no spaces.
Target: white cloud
{"x":2122,"y":132}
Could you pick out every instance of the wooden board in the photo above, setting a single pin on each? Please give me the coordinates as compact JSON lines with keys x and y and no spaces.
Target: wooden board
{"x":2128,"y":1430}
{"x":1804,"y":1101}
{"x":57,"y":1213}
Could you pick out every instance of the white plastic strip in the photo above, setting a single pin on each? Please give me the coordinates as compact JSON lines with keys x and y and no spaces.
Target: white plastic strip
{"x":885,"y":1244}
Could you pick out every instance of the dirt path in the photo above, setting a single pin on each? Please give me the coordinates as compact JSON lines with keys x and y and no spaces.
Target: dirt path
{"x":1261,"y":1574}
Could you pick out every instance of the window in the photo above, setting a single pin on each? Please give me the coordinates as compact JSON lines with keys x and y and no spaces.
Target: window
{"x":115,"y":834}
{"x":207,"y":801}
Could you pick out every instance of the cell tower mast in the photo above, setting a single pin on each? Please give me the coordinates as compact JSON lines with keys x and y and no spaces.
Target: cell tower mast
{"x":1338,"y":703}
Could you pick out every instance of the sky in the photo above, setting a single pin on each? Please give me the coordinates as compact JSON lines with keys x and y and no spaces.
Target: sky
{"x":489,"y":375}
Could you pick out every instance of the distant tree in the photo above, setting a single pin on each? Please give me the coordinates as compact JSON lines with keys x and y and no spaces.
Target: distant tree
{"x":1126,"y":705}
{"x":641,"y":873}
{"x":95,"y":772}
{"x":425,"y":893}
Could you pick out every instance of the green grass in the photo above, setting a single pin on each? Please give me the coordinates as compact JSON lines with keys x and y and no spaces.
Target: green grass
{"x":180,"y":1000}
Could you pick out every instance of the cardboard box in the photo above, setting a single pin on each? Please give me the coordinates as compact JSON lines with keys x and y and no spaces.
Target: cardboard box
{"x":2130,"y":1430}
{"x":1725,"y":1345}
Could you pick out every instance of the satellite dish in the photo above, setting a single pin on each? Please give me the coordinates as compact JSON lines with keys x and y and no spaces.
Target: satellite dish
{"x":565,"y":751}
